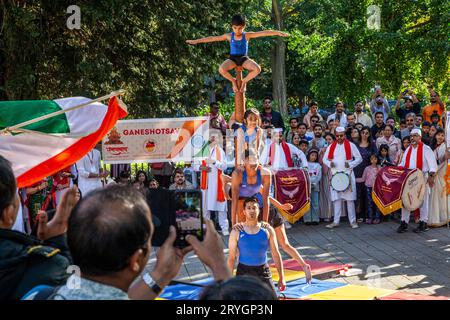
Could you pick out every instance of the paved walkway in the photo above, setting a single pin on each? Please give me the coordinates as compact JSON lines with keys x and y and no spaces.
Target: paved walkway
{"x":417,"y":263}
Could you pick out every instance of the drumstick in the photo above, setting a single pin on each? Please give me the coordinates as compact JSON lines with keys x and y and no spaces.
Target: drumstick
{"x":409,"y":197}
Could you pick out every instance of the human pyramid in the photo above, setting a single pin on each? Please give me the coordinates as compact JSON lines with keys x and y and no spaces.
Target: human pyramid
{"x":256,"y":207}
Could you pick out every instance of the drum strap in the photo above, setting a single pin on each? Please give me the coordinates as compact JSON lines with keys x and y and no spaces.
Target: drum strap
{"x":419,"y":158}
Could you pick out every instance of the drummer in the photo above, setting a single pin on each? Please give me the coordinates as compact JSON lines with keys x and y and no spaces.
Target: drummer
{"x":342,"y":156}
{"x":419,"y":155}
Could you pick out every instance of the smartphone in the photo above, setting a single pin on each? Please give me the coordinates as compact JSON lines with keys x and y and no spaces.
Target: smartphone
{"x":188,"y":216}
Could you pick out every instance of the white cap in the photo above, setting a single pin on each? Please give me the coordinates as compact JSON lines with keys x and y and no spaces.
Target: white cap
{"x":416,"y":131}
{"x":340,"y":129}
{"x":277,"y":130}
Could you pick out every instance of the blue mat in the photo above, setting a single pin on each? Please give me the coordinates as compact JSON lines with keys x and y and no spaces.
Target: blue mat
{"x":181,"y":292}
{"x":299,"y":289}
{"x":294,"y":289}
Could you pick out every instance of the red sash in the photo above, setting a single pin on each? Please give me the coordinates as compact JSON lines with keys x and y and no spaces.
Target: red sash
{"x":347,"y":147}
{"x":287,"y":154}
{"x":419,"y":158}
{"x":204,"y":178}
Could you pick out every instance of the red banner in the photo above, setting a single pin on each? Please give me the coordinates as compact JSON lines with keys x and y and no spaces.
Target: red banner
{"x":388,"y":188}
{"x":292,"y":186}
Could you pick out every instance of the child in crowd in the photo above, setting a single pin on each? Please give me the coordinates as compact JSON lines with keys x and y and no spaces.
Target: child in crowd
{"x":368,"y":177}
{"x":315,"y":175}
{"x":304,"y":144}
{"x":405,"y":144}
{"x":383,"y":156}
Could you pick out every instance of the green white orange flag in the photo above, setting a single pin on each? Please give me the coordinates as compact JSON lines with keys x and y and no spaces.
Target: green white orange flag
{"x":42,"y":148}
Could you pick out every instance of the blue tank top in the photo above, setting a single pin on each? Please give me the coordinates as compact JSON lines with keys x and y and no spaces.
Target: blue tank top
{"x":238,"y":47}
{"x":253,"y":248}
{"x":251,"y":190}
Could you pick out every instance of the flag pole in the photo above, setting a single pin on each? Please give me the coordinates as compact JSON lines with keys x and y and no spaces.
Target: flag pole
{"x":57,"y":113}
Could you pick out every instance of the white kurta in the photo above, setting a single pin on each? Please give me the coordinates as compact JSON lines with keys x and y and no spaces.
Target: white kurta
{"x":90,"y":163}
{"x":339,"y":165}
{"x":429,"y":163}
{"x":279,"y":160}
{"x":210,"y":194}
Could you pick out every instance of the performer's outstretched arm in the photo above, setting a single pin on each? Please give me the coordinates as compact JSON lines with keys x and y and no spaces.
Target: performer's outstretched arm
{"x":223,"y":37}
{"x":265,"y":33}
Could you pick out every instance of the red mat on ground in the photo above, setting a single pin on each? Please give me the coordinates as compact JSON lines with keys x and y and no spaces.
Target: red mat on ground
{"x":411,"y":296}
{"x":317,"y":267}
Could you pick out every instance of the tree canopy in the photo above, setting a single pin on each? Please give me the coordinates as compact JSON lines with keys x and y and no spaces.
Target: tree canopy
{"x":140,"y":46}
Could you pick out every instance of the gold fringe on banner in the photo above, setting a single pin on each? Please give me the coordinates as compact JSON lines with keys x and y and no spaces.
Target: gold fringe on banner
{"x":387,"y":209}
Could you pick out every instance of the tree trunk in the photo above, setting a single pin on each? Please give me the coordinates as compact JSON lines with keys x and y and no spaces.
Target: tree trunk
{"x":278,"y":61}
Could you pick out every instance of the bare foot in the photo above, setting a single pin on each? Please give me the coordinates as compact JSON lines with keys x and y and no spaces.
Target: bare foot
{"x":243,"y":86}
{"x":235,"y":87}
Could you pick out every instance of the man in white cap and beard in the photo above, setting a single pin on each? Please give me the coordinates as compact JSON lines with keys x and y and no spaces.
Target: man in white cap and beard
{"x":419,"y":155}
{"x":280,"y":154}
{"x":343,"y":155}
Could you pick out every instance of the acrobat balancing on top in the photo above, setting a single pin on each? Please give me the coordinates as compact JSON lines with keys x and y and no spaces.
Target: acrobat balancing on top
{"x":239,"y":50}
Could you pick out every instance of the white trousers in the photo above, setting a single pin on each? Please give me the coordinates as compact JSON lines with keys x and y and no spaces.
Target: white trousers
{"x":338,"y":210}
{"x":223,"y":219}
{"x":423,"y":209}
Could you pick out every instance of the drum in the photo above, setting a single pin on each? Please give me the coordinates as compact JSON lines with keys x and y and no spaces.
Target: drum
{"x":397,"y":188}
{"x":413,"y":192}
{"x":340,"y":181}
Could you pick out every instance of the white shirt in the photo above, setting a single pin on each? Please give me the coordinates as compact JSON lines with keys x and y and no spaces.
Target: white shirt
{"x":339,"y":161}
{"x":280,"y":161}
{"x":343,"y":120}
{"x":429,"y":163}
{"x":364,"y":119}
{"x":90,"y":163}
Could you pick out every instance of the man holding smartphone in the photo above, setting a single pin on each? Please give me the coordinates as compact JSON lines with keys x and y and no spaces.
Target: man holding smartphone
{"x":253,"y":243}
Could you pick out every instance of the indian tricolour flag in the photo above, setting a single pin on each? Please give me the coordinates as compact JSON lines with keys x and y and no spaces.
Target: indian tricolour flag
{"x":39,"y":149}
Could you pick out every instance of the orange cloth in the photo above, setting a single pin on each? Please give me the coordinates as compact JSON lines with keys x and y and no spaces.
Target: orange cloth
{"x":204,"y":175}
{"x":428,"y":111}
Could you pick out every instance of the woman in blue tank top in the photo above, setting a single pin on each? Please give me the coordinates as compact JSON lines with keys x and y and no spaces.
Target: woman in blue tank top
{"x":247,"y":183}
{"x":253,"y":242}
{"x":239,"y":50}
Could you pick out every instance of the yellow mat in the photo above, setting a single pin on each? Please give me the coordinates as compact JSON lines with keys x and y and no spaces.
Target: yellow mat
{"x":289,"y":275}
{"x":351,"y":292}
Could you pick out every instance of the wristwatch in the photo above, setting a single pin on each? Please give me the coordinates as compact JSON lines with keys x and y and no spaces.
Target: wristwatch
{"x":151,"y":283}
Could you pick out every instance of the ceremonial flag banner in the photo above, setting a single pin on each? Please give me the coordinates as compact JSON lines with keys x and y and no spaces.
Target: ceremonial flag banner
{"x":42,"y":148}
{"x":388,"y":188}
{"x":292,"y":186}
{"x":157,"y":140}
